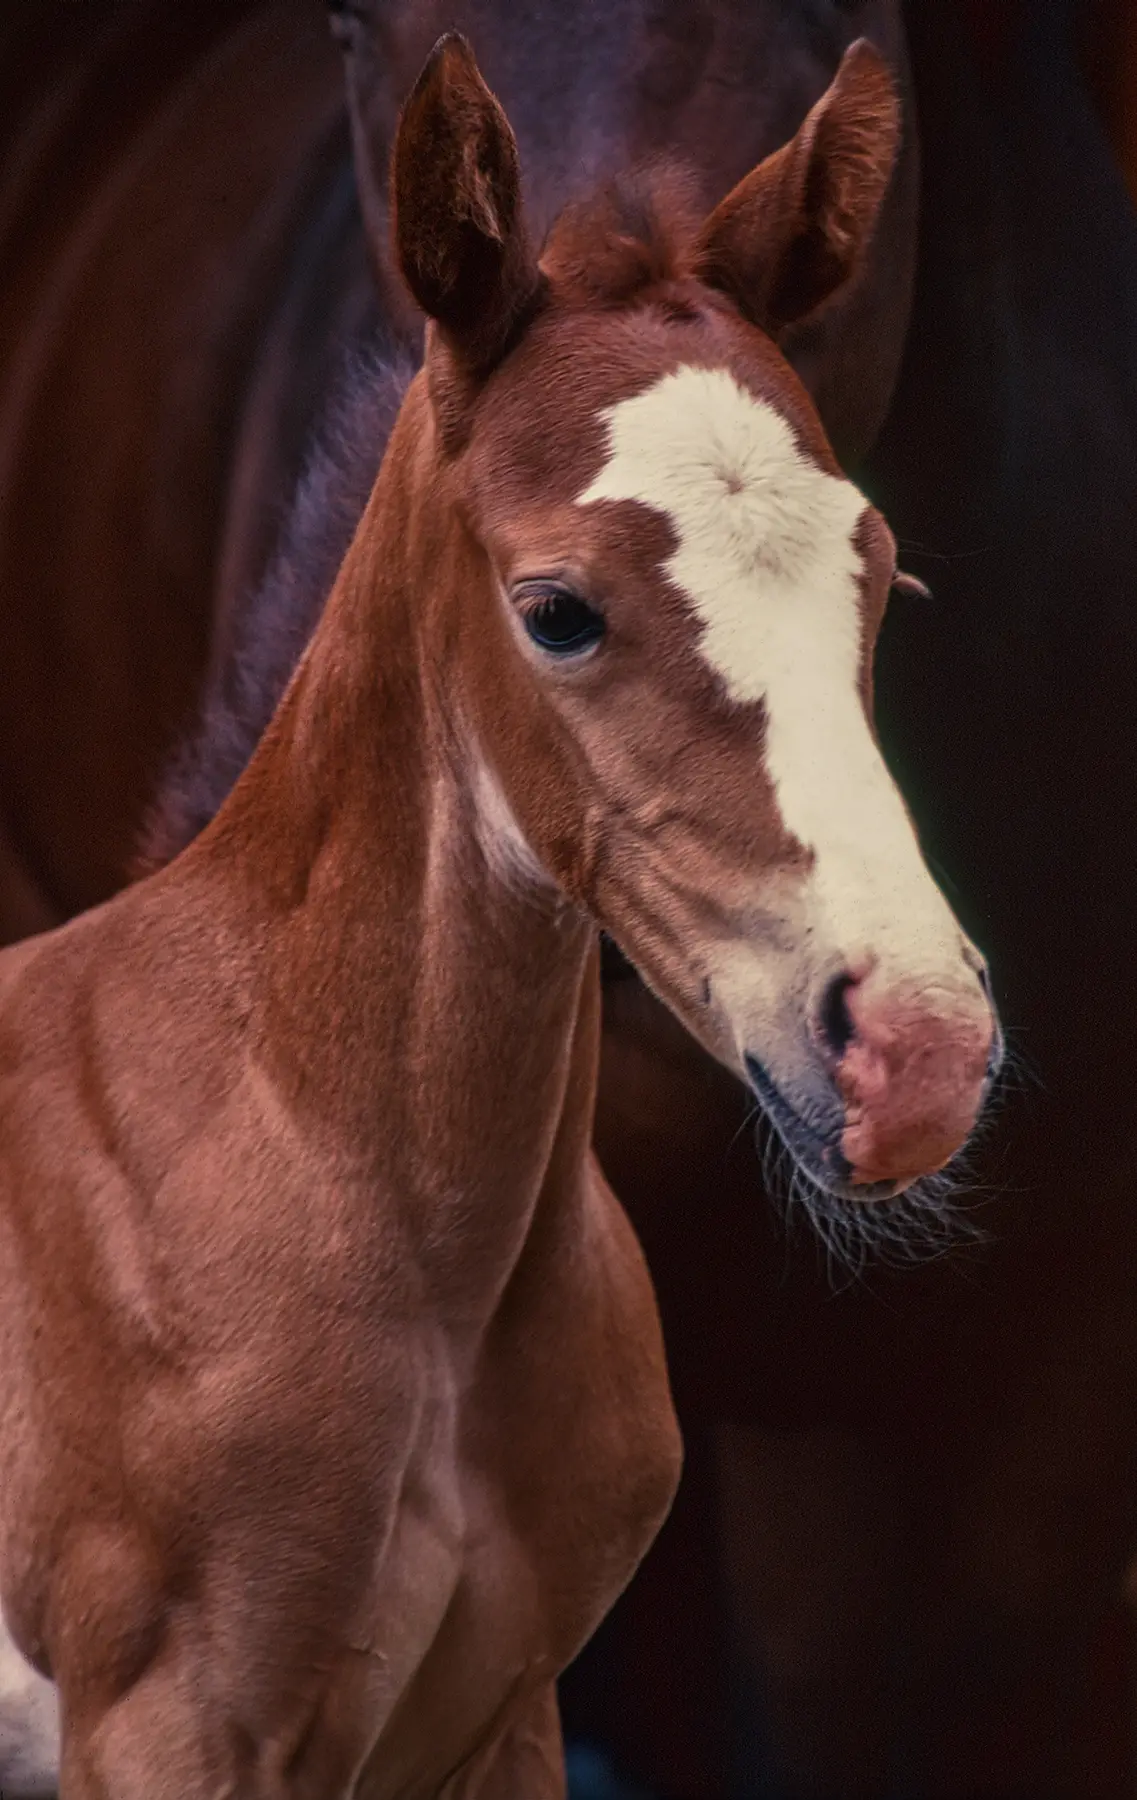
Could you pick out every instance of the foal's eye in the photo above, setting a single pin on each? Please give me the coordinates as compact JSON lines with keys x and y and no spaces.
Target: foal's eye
{"x":558,"y":620}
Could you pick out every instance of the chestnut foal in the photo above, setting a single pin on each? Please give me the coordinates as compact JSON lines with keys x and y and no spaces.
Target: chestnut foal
{"x":333,"y":1408}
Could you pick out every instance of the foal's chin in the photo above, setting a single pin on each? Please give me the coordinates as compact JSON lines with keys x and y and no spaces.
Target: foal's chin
{"x":900,"y":1222}
{"x":876,"y":1080}
{"x":815,"y":1123}
{"x":812,"y":1137}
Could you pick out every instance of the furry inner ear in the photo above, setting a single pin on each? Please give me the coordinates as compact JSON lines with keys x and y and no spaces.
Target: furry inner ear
{"x":795,"y":230}
{"x":460,"y":235}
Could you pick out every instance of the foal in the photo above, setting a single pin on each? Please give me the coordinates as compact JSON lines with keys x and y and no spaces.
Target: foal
{"x":333,"y":1410}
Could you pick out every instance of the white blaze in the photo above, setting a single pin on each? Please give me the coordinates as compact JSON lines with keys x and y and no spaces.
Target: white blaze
{"x":766,"y":557}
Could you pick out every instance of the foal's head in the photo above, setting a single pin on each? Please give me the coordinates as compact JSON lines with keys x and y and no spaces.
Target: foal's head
{"x":668,"y":602}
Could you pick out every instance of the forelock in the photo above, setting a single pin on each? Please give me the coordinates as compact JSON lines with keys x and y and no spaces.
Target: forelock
{"x":629,"y":243}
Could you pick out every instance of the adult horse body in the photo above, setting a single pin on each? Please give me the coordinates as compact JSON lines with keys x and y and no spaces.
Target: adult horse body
{"x":153,"y":281}
{"x":333,"y":1409}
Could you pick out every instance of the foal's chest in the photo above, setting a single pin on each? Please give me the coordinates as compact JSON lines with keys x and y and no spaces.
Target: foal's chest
{"x":565,"y":1459}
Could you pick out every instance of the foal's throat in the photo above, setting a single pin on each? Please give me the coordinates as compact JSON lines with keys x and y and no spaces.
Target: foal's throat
{"x":422,"y":995}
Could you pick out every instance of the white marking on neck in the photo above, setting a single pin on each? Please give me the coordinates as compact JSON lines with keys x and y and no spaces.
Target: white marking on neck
{"x":767,"y":560}
{"x":502,"y":842}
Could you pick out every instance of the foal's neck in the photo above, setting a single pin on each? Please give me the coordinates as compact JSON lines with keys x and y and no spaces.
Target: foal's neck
{"x":422,"y":994}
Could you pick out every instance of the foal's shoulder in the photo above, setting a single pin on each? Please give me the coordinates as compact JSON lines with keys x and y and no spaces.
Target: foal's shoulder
{"x":38,"y":977}
{"x":85,"y":995}
{"x":46,"y":984}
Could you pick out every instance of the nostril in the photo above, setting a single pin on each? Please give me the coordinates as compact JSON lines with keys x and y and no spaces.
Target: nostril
{"x":834,"y":1020}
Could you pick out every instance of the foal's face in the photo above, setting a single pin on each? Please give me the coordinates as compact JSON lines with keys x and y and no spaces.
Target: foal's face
{"x":692,"y":592}
{"x":668,"y":631}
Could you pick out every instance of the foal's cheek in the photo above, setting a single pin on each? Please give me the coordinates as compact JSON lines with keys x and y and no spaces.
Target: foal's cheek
{"x":556,"y":823}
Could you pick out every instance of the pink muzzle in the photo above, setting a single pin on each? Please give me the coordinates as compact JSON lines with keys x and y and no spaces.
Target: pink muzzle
{"x":912,"y":1074}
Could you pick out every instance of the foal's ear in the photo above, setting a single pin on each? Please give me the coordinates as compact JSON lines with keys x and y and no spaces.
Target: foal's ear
{"x":459,"y":232}
{"x":795,"y":229}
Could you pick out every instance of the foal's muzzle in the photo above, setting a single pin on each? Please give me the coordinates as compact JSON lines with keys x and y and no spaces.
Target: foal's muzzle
{"x":813,"y":1142}
{"x":905,"y":1069}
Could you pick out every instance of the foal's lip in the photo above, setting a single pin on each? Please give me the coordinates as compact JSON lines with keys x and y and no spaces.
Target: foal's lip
{"x":817,"y":1153}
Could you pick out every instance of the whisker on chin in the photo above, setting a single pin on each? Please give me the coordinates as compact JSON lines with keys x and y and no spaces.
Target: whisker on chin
{"x":934,"y":1218}
{"x":752,"y":1114}
{"x":1017,"y":1075}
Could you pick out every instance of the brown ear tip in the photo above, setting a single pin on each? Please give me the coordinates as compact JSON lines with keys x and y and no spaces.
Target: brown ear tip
{"x":450,"y":74}
{"x":451,"y":55}
{"x":863,"y":58}
{"x":865,"y":89}
{"x":453,"y":43}
{"x":867,"y":69}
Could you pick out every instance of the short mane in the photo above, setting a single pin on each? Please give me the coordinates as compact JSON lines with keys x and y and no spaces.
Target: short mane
{"x":272,"y":625}
{"x":628,"y":243}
